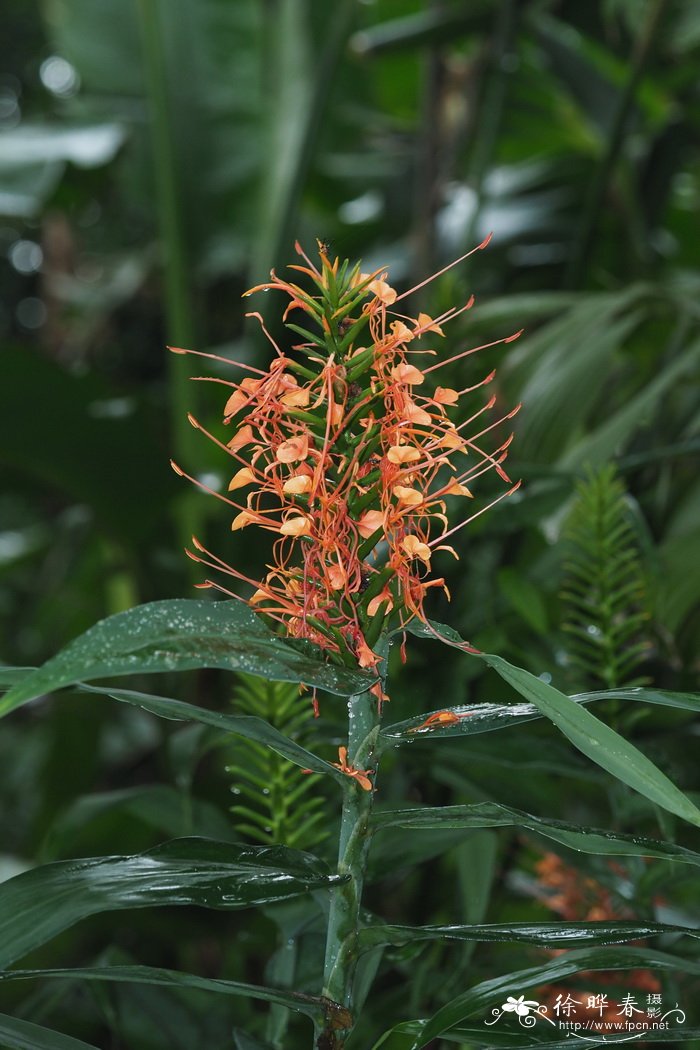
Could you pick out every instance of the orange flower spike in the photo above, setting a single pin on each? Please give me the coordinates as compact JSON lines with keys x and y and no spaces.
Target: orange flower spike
{"x":344,"y":450}
{"x":361,"y":776}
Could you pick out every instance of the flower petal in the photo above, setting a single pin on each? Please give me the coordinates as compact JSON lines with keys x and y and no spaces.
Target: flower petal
{"x":242,"y":477}
{"x":403,"y":454}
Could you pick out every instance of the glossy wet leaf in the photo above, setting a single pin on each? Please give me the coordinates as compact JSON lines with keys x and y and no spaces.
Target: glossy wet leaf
{"x":480,"y":1000}
{"x":471,"y":719}
{"x":10,"y":676}
{"x":492,"y":815}
{"x":586,"y":732}
{"x":473,"y":1037}
{"x":546,"y":934}
{"x":305,"y":1004}
{"x":180,"y":635}
{"x":16,"y":1034}
{"x":39,"y":903}
{"x":464,"y":720}
{"x":249,"y":726}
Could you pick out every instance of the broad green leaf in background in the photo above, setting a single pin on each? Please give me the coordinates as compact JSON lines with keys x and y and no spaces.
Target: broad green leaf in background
{"x":39,"y":903}
{"x":213,"y":130}
{"x":679,"y":585}
{"x":299,"y":74}
{"x":601,"y":444}
{"x":243,"y":1041}
{"x":16,"y":1034}
{"x":157,"y":806}
{"x":86,"y":145}
{"x":483,"y":997}
{"x":179,"y":635}
{"x":493,"y":815}
{"x":34,"y":157}
{"x":586,"y":732}
{"x":115,"y":430}
{"x":546,"y":934}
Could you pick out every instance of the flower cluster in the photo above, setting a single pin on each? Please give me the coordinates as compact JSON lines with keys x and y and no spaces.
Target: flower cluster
{"x":346,"y":451}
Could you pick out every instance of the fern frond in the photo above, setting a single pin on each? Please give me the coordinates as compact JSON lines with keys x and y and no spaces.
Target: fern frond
{"x":277,"y":802}
{"x":604,"y":595}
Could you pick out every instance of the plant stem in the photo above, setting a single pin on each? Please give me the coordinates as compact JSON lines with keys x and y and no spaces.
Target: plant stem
{"x":179,"y":306}
{"x":343,"y":921}
{"x":616,"y":138}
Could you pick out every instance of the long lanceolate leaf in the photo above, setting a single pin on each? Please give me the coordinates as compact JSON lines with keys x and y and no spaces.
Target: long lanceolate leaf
{"x":472,"y":719}
{"x":478,"y":1001}
{"x":249,"y":726}
{"x":16,"y":1034}
{"x":545,"y":934}
{"x":38,"y":904}
{"x":586,"y":732}
{"x":180,"y":635}
{"x":493,"y":815}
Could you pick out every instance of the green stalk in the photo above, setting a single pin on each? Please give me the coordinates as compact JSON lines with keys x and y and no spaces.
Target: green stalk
{"x":616,"y":138}
{"x":179,"y":306}
{"x":343,"y":920}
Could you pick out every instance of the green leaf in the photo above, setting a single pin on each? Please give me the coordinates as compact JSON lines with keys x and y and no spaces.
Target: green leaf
{"x":473,"y":1037}
{"x":87,"y":145}
{"x":493,"y":815}
{"x":34,"y":157}
{"x":243,"y":1041}
{"x":158,"y":806}
{"x":305,"y":1004}
{"x":471,"y":719}
{"x":23,"y":1035}
{"x":179,"y":635}
{"x":545,"y":934}
{"x":526,"y":599}
{"x":98,"y":480}
{"x":646,"y":695}
{"x":597,"y":447}
{"x":10,"y":676}
{"x":38,"y":904}
{"x":586,"y":732}
{"x":566,"y":382}
{"x":483,"y":997}
{"x":598,"y":741}
{"x":249,"y":726}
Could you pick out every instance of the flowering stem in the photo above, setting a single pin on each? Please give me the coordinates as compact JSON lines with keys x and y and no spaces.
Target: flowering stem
{"x":343,"y":921}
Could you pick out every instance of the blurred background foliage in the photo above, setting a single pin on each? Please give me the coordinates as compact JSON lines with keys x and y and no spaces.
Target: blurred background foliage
{"x":156,"y":160}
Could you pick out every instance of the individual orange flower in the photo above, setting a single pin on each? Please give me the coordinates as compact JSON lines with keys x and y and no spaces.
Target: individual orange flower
{"x":361,"y":776}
